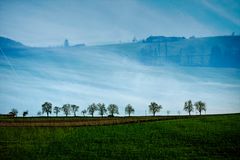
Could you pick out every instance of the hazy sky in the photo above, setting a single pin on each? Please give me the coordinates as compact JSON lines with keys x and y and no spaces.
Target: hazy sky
{"x":49,"y":22}
{"x":85,"y":75}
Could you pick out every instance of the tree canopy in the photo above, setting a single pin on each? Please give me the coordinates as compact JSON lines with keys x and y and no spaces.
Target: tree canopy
{"x":154,"y":108}
{"x":200,"y":106}
{"x":84,"y":112}
{"x":47,"y":108}
{"x":25,"y":113}
{"x":92,"y":108}
{"x":188,"y":107}
{"x":56,"y":110}
{"x":14,"y":112}
{"x":66,"y":108}
{"x":74,"y":109}
{"x":102,"y":109}
{"x":129,"y":109}
{"x":112,"y":109}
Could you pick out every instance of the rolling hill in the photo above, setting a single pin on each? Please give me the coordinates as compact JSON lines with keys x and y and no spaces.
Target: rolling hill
{"x":122,"y":73}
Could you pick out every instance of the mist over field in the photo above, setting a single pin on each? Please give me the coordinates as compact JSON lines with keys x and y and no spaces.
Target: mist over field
{"x":83,"y":75}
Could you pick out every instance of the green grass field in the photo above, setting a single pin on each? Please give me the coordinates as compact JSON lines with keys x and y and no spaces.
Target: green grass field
{"x":206,"y":137}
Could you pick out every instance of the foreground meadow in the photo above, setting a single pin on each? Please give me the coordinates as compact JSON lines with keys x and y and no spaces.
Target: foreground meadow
{"x":210,"y":137}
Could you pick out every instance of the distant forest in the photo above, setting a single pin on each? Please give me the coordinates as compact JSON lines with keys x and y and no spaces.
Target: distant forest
{"x":221,"y":51}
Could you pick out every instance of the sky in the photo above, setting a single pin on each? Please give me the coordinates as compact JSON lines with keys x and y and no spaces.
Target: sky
{"x":48,"y":23}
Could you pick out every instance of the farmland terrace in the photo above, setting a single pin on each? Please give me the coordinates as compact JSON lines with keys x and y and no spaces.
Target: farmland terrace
{"x":85,"y":121}
{"x":189,"y":137}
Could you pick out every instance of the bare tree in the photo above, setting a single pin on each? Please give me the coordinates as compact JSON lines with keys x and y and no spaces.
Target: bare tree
{"x":102,"y":109}
{"x":39,"y":113}
{"x":25,"y":113}
{"x":200,"y":106}
{"x":188,"y":107}
{"x":56,"y":110}
{"x":129,"y":109}
{"x":84,"y":112}
{"x":74,"y":109}
{"x":92,"y":108}
{"x":14,"y":112}
{"x":154,"y":108}
{"x":113,"y":109}
{"x":66,"y":108}
{"x":47,"y":107}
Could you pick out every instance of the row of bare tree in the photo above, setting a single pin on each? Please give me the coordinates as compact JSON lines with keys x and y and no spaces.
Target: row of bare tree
{"x":112,"y":109}
{"x":67,"y":109}
{"x":199,"y":106}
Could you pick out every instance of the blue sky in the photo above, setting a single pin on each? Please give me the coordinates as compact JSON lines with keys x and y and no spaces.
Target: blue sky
{"x":44,"y":23}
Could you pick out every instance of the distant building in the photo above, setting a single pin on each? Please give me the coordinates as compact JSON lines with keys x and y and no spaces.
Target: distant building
{"x":134,"y":40}
{"x":151,"y":39}
{"x":66,"y":43}
{"x":79,"y":45}
{"x":192,"y":37}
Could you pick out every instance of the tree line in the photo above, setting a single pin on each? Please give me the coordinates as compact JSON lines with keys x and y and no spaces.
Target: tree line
{"x":199,"y":106}
{"x":67,"y":109}
{"x":109,"y":110}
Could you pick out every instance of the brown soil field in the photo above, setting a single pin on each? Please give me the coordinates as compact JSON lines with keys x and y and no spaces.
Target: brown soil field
{"x":77,"y":121}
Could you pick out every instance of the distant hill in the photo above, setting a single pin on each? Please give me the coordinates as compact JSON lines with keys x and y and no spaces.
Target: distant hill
{"x":8,"y":43}
{"x":219,"y":51}
{"x":163,"y":39}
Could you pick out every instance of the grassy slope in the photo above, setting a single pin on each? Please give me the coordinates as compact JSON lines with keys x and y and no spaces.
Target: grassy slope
{"x":215,"y":137}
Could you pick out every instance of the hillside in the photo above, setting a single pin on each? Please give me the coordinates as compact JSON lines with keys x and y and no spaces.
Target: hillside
{"x":9,"y":43}
{"x":115,"y":74}
{"x":221,"y":51}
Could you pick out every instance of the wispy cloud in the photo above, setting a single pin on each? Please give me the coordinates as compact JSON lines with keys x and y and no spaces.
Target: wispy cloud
{"x":220,"y":10}
{"x":44,"y":23}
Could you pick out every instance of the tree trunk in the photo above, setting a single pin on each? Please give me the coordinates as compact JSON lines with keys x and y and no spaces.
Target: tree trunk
{"x":189,"y":113}
{"x":153,"y":113}
{"x":129,"y":114}
{"x":200,"y":113}
{"x":47,"y":114}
